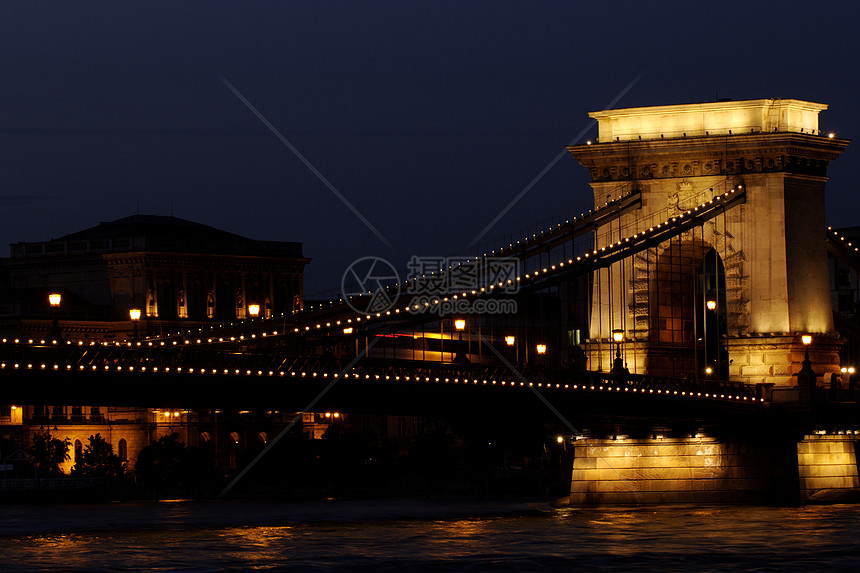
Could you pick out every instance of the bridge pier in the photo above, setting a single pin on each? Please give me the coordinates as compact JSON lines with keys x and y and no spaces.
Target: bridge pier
{"x":702,"y":469}
{"x":738,"y":286}
{"x":777,"y":358}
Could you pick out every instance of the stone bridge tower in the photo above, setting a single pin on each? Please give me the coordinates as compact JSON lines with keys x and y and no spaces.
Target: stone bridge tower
{"x":735,"y":293}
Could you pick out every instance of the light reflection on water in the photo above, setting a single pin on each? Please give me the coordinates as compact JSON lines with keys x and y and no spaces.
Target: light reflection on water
{"x":398,"y":535}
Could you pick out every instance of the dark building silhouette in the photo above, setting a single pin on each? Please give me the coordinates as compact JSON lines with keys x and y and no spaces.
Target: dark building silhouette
{"x":178,"y":273}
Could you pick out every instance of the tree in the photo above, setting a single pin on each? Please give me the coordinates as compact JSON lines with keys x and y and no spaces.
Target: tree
{"x":50,"y":452}
{"x":160,"y":463}
{"x":98,"y":460}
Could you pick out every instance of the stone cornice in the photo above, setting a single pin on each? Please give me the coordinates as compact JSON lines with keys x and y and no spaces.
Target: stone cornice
{"x":709,"y":156}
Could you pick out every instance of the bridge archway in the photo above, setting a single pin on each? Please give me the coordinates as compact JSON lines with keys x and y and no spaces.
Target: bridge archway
{"x":685,"y":332}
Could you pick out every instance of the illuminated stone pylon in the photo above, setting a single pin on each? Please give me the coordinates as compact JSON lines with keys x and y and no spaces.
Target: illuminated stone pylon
{"x":763,"y":263}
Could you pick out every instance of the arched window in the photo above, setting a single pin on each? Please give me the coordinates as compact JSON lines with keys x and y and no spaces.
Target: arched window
{"x":263,"y":438}
{"x":123,"y":450}
{"x":234,"y":438}
{"x":79,"y":451}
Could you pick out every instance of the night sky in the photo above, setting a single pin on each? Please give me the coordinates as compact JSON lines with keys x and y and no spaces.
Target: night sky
{"x":429,"y":118}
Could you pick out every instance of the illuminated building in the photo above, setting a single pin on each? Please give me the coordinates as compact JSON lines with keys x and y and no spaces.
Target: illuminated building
{"x":177,"y":272}
{"x":143,"y":275}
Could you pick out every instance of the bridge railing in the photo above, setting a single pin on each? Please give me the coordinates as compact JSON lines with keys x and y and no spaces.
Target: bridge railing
{"x":36,"y":357}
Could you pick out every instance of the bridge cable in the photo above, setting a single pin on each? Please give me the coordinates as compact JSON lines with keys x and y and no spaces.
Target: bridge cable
{"x":299,"y":416}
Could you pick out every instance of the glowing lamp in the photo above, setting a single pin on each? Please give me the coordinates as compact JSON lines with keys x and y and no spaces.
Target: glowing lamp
{"x":55,"y":299}
{"x":618,"y":363}
{"x":711,"y":304}
{"x":459,"y":324}
{"x":559,"y":439}
{"x":541,"y":348}
{"x":509,"y":340}
{"x":254,"y":309}
{"x":347,"y":330}
{"x":134,"y":313}
{"x":806,"y":339}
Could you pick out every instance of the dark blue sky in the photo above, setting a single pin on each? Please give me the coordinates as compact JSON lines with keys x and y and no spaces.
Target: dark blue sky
{"x":428,"y":117}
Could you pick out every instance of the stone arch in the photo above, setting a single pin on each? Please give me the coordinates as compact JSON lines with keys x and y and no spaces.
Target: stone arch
{"x":671,"y":314}
{"x":666,"y":335}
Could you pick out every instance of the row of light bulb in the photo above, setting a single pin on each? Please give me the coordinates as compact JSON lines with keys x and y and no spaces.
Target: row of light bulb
{"x":474,"y":292}
{"x":587,"y":257}
{"x":396,"y":378}
{"x":510,"y":248}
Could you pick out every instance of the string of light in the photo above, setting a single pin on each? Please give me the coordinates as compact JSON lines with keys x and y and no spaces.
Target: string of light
{"x":293,"y":374}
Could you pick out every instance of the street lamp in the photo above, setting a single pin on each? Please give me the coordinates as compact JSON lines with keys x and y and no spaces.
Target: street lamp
{"x":807,"y":376}
{"x":711,"y":304}
{"x":55,"y":299}
{"x":509,"y":340}
{"x":460,"y":325}
{"x":254,"y":310}
{"x":541,"y":348}
{"x":618,"y":338}
{"x":134,"y":315}
{"x":846,"y":375}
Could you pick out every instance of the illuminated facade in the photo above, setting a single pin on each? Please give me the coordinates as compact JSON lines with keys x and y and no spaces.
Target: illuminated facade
{"x":176,"y":272}
{"x":762,"y":264}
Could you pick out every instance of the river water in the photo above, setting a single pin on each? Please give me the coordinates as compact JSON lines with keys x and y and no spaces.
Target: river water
{"x":413,"y":535}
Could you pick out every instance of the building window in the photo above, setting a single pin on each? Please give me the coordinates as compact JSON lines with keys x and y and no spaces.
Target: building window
{"x":123,"y":450}
{"x":79,"y":451}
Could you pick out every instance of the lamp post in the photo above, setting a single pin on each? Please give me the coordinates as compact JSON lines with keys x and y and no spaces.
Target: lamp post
{"x":254,"y":311}
{"x":847,"y":378}
{"x":134,"y":315}
{"x":541,"y":352}
{"x":806,"y":377}
{"x":55,"y":299}
{"x":511,"y":340}
{"x":618,"y":364}
{"x":711,"y":306}
{"x":460,"y":325}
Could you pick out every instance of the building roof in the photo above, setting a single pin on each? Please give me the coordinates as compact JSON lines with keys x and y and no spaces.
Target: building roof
{"x":156,"y":233}
{"x":713,"y":118}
